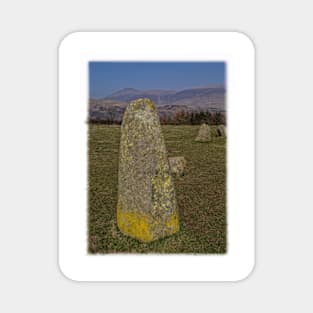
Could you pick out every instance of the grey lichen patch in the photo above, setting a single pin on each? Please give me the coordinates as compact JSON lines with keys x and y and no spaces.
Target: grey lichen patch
{"x":177,"y":166}
{"x":147,"y":208}
{"x":204,"y":134}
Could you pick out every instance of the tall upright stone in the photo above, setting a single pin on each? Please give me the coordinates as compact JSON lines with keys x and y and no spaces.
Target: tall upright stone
{"x":146,"y":208}
{"x":204,"y":134}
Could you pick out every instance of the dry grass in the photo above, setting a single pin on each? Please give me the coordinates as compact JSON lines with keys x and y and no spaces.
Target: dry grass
{"x":201,"y":194}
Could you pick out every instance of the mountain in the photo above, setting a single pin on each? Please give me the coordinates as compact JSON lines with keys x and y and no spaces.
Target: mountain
{"x":196,"y":98}
{"x":169,"y":102}
{"x":129,"y":94}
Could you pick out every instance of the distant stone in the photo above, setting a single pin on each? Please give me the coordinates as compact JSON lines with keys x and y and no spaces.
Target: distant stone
{"x":146,"y":208}
{"x":177,"y":165}
{"x":221,"y":131}
{"x":204,"y":134}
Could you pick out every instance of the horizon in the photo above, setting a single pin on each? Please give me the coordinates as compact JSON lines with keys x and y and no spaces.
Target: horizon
{"x":106,"y":78}
{"x":156,"y":89}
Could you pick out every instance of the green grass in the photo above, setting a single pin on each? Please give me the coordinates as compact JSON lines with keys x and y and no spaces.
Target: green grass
{"x":201,"y":194}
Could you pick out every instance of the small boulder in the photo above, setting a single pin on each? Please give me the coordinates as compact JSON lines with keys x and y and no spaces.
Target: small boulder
{"x":221,"y":131}
{"x":177,"y":165}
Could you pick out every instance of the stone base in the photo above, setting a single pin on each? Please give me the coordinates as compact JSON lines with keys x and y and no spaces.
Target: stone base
{"x":145,"y":228}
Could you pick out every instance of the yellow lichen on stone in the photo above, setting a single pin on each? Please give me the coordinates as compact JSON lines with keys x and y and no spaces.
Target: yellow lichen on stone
{"x":150,"y":104}
{"x":161,"y":183}
{"x":173,"y":222}
{"x":135,"y":225}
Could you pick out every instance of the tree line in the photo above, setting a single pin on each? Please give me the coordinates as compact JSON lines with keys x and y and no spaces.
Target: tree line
{"x":180,"y":117}
{"x":194,"y":118}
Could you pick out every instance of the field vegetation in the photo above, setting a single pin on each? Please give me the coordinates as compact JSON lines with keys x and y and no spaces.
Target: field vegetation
{"x":201,"y":193}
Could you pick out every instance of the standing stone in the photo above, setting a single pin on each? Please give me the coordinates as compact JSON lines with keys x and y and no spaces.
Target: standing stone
{"x":204,"y":134}
{"x":221,"y":130}
{"x":177,"y":166}
{"x":146,"y":208}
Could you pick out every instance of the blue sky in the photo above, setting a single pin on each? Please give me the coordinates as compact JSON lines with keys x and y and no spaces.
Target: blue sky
{"x":108,"y":77}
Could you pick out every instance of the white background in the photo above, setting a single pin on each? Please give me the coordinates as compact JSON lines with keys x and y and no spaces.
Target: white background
{"x":76,"y":50}
{"x":30,"y":279}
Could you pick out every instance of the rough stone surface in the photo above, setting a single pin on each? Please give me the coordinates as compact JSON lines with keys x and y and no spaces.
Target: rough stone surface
{"x":146,"y":208}
{"x":221,"y":130}
{"x":204,"y":134}
{"x":177,"y":166}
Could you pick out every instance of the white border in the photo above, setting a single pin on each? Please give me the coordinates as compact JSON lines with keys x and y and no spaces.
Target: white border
{"x":75,"y":51}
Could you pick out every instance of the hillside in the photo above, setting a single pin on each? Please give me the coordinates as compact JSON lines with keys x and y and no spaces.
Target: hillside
{"x":168,"y":102}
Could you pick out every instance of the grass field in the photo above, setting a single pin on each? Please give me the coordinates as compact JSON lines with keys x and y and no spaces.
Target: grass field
{"x":201,"y":194}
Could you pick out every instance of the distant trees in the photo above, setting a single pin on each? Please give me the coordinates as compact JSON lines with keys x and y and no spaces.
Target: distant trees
{"x":107,"y":121}
{"x":180,"y":117}
{"x":183,"y":117}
